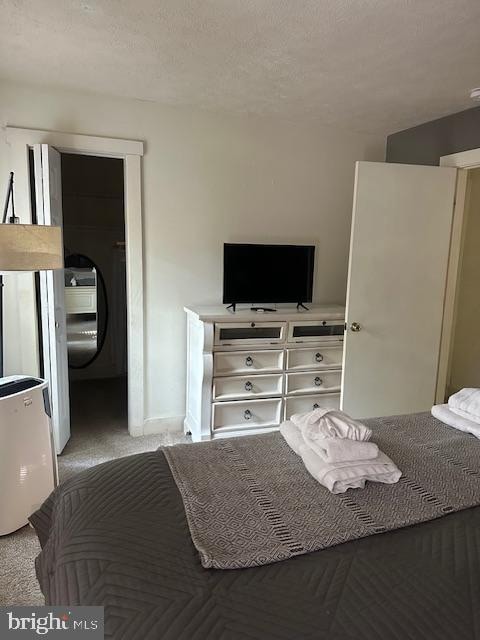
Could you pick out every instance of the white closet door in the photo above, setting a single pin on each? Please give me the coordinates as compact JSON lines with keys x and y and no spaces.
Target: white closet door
{"x":48,"y":187}
{"x":401,"y":227}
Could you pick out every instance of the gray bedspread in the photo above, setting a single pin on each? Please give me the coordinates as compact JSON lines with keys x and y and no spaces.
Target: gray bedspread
{"x":116,"y":535}
{"x":250,"y":501}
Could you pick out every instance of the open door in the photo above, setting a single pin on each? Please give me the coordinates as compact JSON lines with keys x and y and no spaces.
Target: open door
{"x":400,"y":242}
{"x":48,"y":196}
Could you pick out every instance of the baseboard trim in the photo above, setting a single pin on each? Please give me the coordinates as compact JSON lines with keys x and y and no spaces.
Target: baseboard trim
{"x":163,"y":425}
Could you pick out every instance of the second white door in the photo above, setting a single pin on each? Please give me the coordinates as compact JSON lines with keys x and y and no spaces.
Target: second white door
{"x":401,"y":228}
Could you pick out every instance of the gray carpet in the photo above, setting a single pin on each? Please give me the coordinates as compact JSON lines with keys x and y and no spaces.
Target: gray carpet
{"x":99,"y":434}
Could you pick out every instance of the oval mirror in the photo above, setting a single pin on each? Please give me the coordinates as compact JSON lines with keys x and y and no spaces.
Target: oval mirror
{"x":86,"y":307}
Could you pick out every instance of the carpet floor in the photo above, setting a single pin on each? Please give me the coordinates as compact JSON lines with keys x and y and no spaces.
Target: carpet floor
{"x":98,"y":434}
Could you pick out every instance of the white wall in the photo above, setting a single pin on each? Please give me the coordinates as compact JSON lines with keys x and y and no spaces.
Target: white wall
{"x":210,"y":178}
{"x":465,"y":362}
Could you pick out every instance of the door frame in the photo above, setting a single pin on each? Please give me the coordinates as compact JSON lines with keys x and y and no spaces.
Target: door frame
{"x":463,"y":161}
{"x":131,"y":152}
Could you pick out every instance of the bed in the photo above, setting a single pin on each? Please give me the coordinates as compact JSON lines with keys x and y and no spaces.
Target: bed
{"x":117,"y":535}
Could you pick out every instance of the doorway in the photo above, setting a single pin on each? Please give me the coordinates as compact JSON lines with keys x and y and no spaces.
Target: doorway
{"x":35,"y":335}
{"x":95,"y":293}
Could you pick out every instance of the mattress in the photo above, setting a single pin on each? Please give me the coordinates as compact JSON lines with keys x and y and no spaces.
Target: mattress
{"x":116,"y":535}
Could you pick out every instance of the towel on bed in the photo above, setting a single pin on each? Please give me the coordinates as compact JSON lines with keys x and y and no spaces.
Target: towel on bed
{"x":330,"y":423}
{"x":341,"y":449}
{"x":446,"y":415}
{"x":466,"y":403}
{"x":335,"y":436}
{"x":340,"y":476}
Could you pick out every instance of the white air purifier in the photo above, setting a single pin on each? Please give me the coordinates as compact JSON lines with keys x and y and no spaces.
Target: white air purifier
{"x":28,"y":465}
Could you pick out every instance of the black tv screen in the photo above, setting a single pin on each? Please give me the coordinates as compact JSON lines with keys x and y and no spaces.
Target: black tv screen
{"x":257,"y":273}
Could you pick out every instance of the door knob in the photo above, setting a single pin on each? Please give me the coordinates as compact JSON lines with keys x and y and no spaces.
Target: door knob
{"x":355,"y":326}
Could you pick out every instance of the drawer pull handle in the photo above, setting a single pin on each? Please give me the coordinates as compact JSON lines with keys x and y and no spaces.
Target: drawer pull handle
{"x":318,"y":357}
{"x":249,"y":361}
{"x":318,"y":382}
{"x":247,"y":414}
{"x":316,"y":405}
{"x":248,"y":386}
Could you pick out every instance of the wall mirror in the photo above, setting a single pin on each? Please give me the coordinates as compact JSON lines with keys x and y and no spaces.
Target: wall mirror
{"x":86,"y":307}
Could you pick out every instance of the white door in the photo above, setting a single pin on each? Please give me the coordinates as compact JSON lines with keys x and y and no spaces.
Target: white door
{"x":48,"y":188}
{"x":401,"y":227}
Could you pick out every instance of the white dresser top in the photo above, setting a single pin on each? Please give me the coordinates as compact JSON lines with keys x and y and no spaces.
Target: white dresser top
{"x":221,"y":314}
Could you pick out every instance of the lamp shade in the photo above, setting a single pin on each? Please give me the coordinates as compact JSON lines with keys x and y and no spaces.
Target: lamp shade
{"x":30,"y":247}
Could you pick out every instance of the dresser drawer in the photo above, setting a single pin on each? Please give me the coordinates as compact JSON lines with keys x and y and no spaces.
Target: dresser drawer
{"x":246,"y":414}
{"x":247,"y":386}
{"x":302,"y":404}
{"x":247,"y":362}
{"x":315,"y":330}
{"x":312,"y":382}
{"x":81,"y":299}
{"x":246,"y":333}
{"x":324,"y":357}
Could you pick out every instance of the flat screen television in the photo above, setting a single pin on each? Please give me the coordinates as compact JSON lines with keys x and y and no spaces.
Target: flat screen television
{"x":257,"y":273}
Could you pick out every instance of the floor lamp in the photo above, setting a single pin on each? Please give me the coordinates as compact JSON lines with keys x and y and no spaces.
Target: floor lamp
{"x":25,"y":247}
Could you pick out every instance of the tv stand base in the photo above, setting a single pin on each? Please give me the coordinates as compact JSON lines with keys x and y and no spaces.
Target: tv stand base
{"x":300,"y":305}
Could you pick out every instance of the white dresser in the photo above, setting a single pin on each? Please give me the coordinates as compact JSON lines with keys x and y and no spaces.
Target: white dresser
{"x":249,"y":371}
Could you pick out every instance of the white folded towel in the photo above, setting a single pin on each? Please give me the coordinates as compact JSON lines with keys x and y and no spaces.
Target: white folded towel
{"x":466,"y":403}
{"x":329,"y":423}
{"x":340,"y":476}
{"x":293,"y":437}
{"x":443,"y":413}
{"x":341,"y":449}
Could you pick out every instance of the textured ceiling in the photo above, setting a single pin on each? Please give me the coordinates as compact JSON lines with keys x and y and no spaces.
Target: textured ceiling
{"x":366,"y":65}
